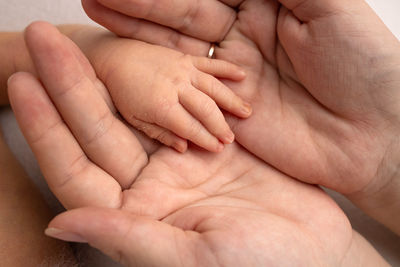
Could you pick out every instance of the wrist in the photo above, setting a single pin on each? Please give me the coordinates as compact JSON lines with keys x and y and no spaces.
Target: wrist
{"x":381,"y":198}
{"x":91,"y":41}
{"x":361,"y":253}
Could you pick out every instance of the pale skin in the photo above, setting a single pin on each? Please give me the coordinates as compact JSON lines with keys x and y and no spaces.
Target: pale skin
{"x":182,"y":209}
{"x":65,"y":223}
{"x":322,"y":78}
{"x":169,"y":96}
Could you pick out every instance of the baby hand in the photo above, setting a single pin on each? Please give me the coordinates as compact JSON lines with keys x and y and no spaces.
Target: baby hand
{"x":173,"y":97}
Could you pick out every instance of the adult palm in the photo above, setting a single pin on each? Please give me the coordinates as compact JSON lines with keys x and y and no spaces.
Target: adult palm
{"x":196,"y":208}
{"x":228,"y":209}
{"x":322,"y":78}
{"x":323,"y":90}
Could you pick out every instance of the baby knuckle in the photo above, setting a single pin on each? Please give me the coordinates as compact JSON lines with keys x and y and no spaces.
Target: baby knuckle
{"x":162,"y":111}
{"x":152,"y":133}
{"x":162,"y":136}
{"x":186,"y":62}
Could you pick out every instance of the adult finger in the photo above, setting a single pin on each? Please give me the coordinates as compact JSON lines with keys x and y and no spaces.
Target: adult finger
{"x":140,"y":29}
{"x":208,"y":20}
{"x":306,"y":10}
{"x":129,"y":239}
{"x":104,"y":138}
{"x":71,"y":176}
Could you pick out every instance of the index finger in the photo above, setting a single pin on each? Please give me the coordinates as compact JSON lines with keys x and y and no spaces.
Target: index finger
{"x":147,"y":31}
{"x":75,"y":180}
{"x":102,"y":136}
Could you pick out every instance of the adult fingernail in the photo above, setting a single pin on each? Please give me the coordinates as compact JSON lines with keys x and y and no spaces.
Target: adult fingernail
{"x":64,"y":235}
{"x":246,"y":109}
{"x":9,"y":80}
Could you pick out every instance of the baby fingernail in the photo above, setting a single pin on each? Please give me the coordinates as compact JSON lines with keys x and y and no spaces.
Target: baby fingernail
{"x":64,"y":235}
{"x":180,"y":146}
{"x":220,"y":147}
{"x":246,"y":108}
{"x":229,"y":138}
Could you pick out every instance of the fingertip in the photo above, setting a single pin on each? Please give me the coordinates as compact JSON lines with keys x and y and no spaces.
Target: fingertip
{"x":245,"y":110}
{"x":229,"y":137}
{"x":38,"y":31}
{"x":17,"y":77}
{"x":64,"y":235}
{"x":180,"y":146}
{"x":12,"y":81}
{"x":18,"y":86}
{"x":239,"y":75}
{"x":220,"y":147}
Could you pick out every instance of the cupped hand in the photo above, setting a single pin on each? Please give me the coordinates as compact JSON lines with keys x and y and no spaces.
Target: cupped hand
{"x":196,"y":208}
{"x":322,"y":77}
{"x":203,"y":209}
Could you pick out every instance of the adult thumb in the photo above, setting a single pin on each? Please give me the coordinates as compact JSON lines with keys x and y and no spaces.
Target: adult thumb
{"x":129,"y":239}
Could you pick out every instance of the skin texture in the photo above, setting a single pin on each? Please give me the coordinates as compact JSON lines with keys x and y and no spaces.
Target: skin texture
{"x":180,"y":82}
{"x":322,"y":78}
{"x":170,"y":96}
{"x":182,"y":209}
{"x":242,"y":38}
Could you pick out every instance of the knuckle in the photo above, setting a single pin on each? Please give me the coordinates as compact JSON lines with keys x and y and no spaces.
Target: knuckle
{"x":189,"y":16}
{"x":177,"y":80}
{"x":75,"y":170}
{"x":141,"y":126}
{"x":100,"y":129}
{"x":72,"y":85}
{"x":174,"y":40}
{"x":186,"y":63}
{"x":37,"y":137}
{"x":162,"y":112}
{"x":152,"y":132}
{"x":135,"y":29}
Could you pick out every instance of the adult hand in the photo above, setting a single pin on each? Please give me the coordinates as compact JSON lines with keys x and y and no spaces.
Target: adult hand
{"x":324,"y":88}
{"x":322,"y":77}
{"x":188,"y":26}
{"x":186,"y":209}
